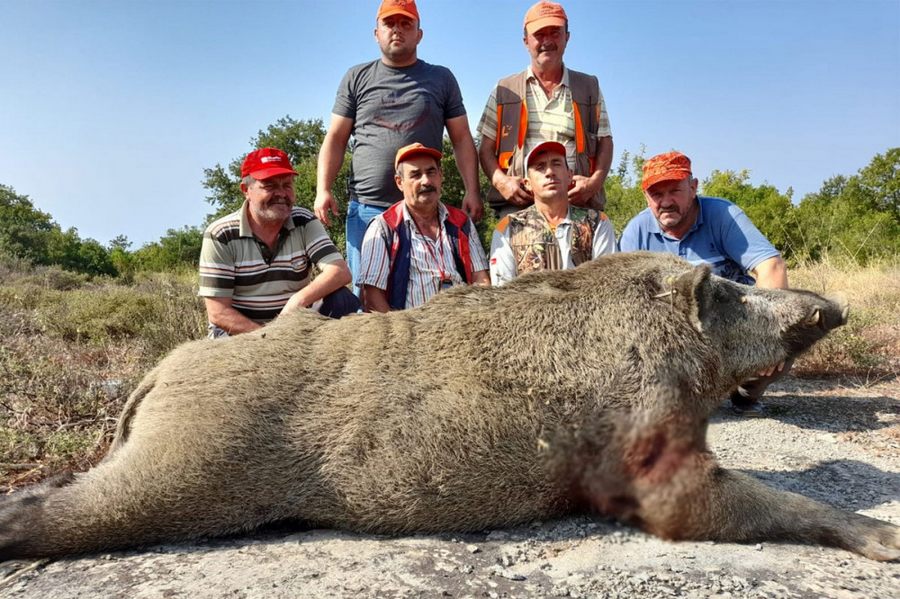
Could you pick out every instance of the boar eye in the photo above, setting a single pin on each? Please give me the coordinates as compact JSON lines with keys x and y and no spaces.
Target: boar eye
{"x":814,"y":318}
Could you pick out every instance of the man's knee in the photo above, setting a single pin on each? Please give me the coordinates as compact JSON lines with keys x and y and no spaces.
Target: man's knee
{"x":339,"y":303}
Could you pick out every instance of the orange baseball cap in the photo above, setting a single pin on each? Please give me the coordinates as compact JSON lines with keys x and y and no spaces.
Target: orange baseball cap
{"x":264,"y":163}
{"x":545,"y":14}
{"x":414,"y":149}
{"x":547,"y":146}
{"x":407,"y":8}
{"x":671,"y":166}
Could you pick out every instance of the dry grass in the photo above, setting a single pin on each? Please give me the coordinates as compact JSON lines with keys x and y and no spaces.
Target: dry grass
{"x":70,"y":352}
{"x":868,"y":347}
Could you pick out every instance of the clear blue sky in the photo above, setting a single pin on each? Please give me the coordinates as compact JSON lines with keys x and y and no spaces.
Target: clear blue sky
{"x":110,"y":110}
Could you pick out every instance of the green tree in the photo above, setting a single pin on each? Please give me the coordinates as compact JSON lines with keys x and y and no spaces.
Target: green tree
{"x":624,"y":197}
{"x":24,"y":230}
{"x":178,"y":248}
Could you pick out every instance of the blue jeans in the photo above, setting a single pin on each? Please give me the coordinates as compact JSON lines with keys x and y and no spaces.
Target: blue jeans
{"x":358,"y":218}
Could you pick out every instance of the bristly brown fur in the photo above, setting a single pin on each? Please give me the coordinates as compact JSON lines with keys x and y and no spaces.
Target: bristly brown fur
{"x":483,"y":408}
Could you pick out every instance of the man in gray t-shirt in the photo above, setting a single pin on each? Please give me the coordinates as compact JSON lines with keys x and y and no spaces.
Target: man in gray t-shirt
{"x":386,"y":104}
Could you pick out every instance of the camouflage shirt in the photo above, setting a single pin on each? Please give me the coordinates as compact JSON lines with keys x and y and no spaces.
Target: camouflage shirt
{"x":525,"y":242}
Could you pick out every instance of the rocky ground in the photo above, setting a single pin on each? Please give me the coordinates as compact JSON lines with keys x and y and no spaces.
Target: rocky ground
{"x":837,"y":442}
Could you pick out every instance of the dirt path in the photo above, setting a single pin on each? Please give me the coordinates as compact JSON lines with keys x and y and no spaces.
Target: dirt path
{"x":834,"y":442}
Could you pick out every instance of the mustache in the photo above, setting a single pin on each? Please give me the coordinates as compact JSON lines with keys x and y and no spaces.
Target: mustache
{"x":427,"y":189}
{"x":547,"y":48}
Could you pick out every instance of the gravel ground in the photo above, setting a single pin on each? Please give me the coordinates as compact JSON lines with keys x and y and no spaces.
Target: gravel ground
{"x":835,"y":442}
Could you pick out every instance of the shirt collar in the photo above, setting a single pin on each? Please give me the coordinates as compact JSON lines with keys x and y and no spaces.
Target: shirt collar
{"x":246,"y":231}
{"x":442,"y":213}
{"x":529,"y":74}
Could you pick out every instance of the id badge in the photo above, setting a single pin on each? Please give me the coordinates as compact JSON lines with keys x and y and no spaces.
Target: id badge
{"x":445,"y":284}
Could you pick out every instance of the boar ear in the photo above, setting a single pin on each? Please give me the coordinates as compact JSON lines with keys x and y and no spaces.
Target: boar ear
{"x":692,"y":292}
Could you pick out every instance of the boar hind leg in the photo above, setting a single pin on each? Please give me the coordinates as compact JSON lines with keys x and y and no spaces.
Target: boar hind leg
{"x":122,"y":502}
{"x":671,"y":486}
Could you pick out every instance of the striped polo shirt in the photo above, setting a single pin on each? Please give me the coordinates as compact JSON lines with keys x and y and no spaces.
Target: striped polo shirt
{"x":235,"y":263}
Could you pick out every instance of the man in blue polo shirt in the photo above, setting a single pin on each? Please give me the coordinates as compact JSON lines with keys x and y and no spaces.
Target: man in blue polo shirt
{"x":711,"y":230}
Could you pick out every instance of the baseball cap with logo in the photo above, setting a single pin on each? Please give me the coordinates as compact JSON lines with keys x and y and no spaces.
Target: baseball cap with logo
{"x":545,"y":14}
{"x":407,"y":8}
{"x":265,"y":163}
{"x":671,"y":166}
{"x":414,"y":149}
{"x":547,"y":146}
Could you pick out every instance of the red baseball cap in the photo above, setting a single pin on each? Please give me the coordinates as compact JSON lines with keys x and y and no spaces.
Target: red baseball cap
{"x":414,"y":149}
{"x":547,"y":146}
{"x":265,"y":163}
{"x":407,"y":8}
{"x":545,"y":14}
{"x":671,"y":166}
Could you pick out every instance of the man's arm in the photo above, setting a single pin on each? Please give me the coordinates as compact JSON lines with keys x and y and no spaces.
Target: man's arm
{"x":467,"y":163}
{"x":771,"y":273}
{"x":375,"y":299}
{"x":482,"y":277}
{"x":220,"y":313}
{"x":503,"y":263}
{"x":587,"y":187}
{"x":331,"y":157}
{"x":604,"y":239}
{"x":511,"y":188}
{"x":331,"y":277}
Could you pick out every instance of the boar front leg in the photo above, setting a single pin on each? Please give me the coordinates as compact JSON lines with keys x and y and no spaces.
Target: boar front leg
{"x":670,"y":485}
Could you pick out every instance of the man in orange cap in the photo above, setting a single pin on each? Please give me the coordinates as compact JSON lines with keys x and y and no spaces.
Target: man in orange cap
{"x":545,"y":102}
{"x":704,"y":230}
{"x":552,"y":234}
{"x":256,"y":263}
{"x":418,"y":247}
{"x":385,"y":104}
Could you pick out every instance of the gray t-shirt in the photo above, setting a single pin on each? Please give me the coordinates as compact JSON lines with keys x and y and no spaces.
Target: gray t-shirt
{"x":392,"y":107}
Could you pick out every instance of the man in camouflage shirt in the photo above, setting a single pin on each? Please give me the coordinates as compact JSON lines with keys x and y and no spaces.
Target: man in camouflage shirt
{"x":551,"y":234}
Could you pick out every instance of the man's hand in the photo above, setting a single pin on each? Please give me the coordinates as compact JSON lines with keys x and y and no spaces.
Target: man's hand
{"x":473,"y":206}
{"x":770,"y":371}
{"x":513,"y":190}
{"x":582,"y":190}
{"x":297,"y":301}
{"x":325,"y":202}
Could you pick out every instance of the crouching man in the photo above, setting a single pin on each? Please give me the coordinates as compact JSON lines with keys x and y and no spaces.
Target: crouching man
{"x":418,"y":247}
{"x":257,"y":263}
{"x":712,"y":230}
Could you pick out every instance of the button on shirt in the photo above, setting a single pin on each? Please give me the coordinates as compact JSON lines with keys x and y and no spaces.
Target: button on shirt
{"x":425,"y":272}
{"x":722,"y":236}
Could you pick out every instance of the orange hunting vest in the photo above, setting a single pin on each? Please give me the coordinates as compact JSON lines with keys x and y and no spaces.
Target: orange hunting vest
{"x":512,"y":126}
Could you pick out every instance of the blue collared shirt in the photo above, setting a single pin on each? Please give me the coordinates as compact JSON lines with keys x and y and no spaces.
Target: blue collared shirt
{"x":722,"y":236}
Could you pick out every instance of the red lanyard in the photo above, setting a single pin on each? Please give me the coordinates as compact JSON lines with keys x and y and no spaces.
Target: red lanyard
{"x":440,"y":243}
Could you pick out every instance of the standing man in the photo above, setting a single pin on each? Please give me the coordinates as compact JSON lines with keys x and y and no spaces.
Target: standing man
{"x":711,"y":230}
{"x":257,"y":262}
{"x":545,"y":102}
{"x":418,"y":247}
{"x":552,"y":234}
{"x":386,"y":104}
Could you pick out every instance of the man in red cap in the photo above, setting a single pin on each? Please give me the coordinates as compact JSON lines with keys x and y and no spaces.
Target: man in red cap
{"x":418,"y":247}
{"x":552,"y":234}
{"x":545,"y":102}
{"x":256,"y":263}
{"x":385,"y":104}
{"x":705,"y":230}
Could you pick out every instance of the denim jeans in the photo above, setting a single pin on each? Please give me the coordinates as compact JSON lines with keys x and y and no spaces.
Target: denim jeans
{"x":358,"y":218}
